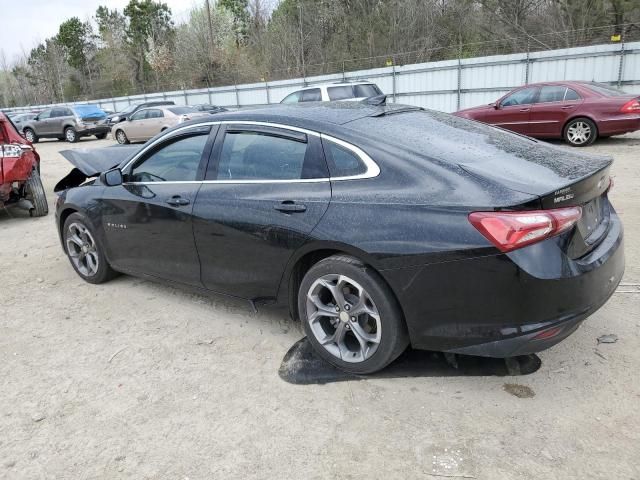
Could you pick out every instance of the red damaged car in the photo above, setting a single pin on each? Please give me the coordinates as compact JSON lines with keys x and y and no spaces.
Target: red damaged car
{"x":578,"y":112}
{"x":20,"y":183}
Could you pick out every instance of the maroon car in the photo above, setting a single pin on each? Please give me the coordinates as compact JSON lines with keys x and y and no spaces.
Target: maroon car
{"x":579,"y":112}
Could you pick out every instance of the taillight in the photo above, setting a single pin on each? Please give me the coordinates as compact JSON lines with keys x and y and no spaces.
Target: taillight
{"x":511,"y":230}
{"x":632,"y":106}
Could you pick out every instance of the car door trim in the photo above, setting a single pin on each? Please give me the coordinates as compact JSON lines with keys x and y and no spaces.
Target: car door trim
{"x":372,"y":168}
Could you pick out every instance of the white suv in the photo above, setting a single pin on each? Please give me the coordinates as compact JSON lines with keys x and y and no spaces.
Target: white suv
{"x":349,"y":91}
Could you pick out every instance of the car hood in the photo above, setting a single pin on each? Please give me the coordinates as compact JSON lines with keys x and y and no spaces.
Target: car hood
{"x":90,"y":162}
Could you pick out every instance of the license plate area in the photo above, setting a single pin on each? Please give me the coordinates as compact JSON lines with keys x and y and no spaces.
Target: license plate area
{"x":592,"y":217}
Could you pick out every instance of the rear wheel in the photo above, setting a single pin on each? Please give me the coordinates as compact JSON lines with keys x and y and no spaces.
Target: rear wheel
{"x":30,"y":135}
{"x":350,"y":315}
{"x":580,"y":132}
{"x":70,"y":135}
{"x":84,"y":252}
{"x":35,"y":193}
{"x":121,"y":137}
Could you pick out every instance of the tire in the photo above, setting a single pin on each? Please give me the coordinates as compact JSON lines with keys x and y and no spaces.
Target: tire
{"x":367,"y":330}
{"x":30,"y":135}
{"x":580,"y":132}
{"x":70,"y":135}
{"x":101,"y":136}
{"x":85,"y":252}
{"x":121,"y":137}
{"x":35,"y":192}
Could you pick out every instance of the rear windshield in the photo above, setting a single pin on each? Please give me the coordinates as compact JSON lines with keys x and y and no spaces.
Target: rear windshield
{"x":88,"y":111}
{"x":606,"y":90}
{"x":182,"y":110}
{"x":367,"y":90}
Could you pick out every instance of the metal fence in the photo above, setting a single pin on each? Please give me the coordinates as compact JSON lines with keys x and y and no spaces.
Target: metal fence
{"x":445,"y":85}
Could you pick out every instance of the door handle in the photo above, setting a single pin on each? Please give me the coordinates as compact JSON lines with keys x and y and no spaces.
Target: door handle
{"x":289,"y":206}
{"x":525,"y":109}
{"x":567,"y":107}
{"x":178,"y":201}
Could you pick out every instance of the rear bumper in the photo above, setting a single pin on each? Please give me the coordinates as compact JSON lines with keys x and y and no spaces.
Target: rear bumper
{"x":496,"y":305}
{"x":619,"y":125}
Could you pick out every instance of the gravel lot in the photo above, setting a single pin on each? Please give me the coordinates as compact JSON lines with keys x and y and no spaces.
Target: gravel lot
{"x":138,"y":380}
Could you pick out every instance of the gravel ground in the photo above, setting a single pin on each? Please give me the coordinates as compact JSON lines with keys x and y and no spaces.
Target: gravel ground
{"x":138,"y":380}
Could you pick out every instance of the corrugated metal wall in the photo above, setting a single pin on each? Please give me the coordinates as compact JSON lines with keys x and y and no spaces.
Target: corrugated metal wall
{"x":446,"y":85}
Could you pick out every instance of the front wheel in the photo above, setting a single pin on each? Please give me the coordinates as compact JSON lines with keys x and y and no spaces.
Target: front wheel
{"x":350,"y":315}
{"x":70,"y":135}
{"x":121,"y":137}
{"x":84,"y":252}
{"x":580,"y":132}
{"x":35,"y":193}
{"x":30,"y":135}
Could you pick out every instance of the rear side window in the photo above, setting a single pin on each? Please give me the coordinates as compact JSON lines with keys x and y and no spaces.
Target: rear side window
{"x":311,"y":95}
{"x":340,"y":93}
{"x":342,"y":162}
{"x":571,"y":95}
{"x":554,"y":93}
{"x":258,"y":156}
{"x":175,"y":161}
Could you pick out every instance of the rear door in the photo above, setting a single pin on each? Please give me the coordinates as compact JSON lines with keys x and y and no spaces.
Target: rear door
{"x":513,"y":112}
{"x":147,"y":220}
{"x":266,"y":189}
{"x":554,"y":106}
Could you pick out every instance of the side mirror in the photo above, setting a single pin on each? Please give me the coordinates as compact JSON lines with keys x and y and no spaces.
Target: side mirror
{"x":112,"y":178}
{"x":495,"y":105}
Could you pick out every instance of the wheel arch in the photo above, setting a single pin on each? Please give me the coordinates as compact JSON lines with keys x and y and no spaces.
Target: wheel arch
{"x":575,"y":116}
{"x":307,"y":257}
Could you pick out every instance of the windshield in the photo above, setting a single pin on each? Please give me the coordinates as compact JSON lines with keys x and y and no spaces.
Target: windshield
{"x":85,"y":111}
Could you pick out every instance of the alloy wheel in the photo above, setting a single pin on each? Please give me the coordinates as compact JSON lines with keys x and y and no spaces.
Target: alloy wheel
{"x":579,"y":133}
{"x":343,"y":318}
{"x":82,"y":249}
{"x":120,"y":136}
{"x":70,"y":135}
{"x":29,"y":136}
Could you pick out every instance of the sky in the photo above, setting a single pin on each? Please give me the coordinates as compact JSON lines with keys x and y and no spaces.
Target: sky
{"x":25,"y":23}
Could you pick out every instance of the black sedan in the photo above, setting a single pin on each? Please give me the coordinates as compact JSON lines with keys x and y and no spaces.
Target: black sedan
{"x":379,"y":226}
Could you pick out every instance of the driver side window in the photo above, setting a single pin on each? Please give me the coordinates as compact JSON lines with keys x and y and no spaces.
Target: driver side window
{"x":138,"y":115}
{"x":44,"y":115}
{"x":521,"y":97}
{"x":175,"y":161}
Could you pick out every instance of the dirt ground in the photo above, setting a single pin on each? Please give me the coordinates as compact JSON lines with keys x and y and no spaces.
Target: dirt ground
{"x":138,"y":380}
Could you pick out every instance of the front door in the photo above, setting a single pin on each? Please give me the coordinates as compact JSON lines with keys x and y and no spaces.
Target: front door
{"x":513,"y":112}
{"x":555,"y":105}
{"x":136,"y":125}
{"x":147,"y":221}
{"x":266,"y":189}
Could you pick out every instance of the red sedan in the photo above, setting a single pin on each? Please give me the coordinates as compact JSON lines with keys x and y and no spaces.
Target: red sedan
{"x":579,"y":112}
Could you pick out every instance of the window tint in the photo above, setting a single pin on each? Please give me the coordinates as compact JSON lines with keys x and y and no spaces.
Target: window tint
{"x":292,"y":98}
{"x":367,"y":90}
{"x":571,"y":95}
{"x":552,"y":93}
{"x":312,"y":95}
{"x":58,"y":112}
{"x":340,"y":93}
{"x":155,"y":113}
{"x":173,"y":162}
{"x":342,"y":162}
{"x":142,"y":114}
{"x":521,"y":97}
{"x":259,"y":156}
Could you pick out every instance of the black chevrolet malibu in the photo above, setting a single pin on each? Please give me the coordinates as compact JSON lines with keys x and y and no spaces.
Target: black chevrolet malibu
{"x":379,"y":226}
